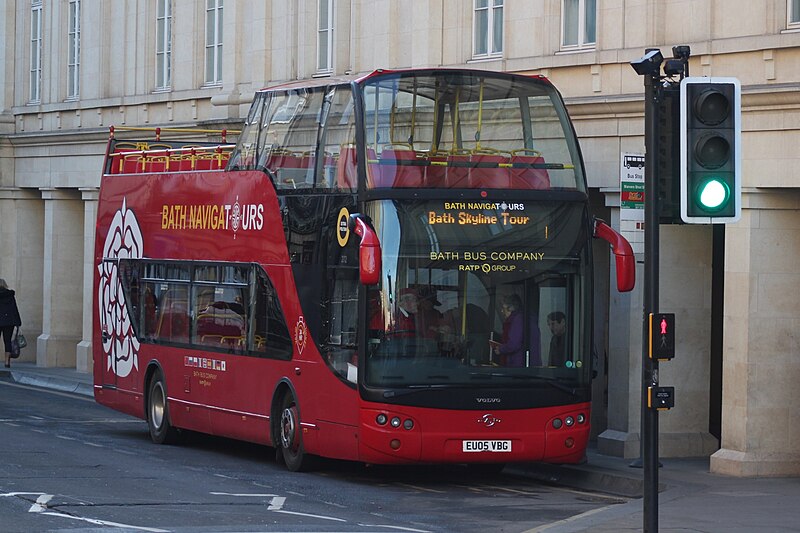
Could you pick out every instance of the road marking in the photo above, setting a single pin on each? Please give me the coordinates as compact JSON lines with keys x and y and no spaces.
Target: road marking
{"x":565,"y":521}
{"x":107,"y":523}
{"x":312,"y":515}
{"x":41,"y":503}
{"x":40,"y":507}
{"x":243,"y":495}
{"x":401,"y":528}
{"x":276,"y":504}
{"x":421,"y":489}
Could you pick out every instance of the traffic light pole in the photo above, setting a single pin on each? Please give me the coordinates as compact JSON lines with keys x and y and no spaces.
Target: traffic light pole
{"x":649,"y":431}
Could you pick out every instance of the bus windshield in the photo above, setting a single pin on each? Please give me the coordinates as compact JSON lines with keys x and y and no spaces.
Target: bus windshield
{"x":478,"y":293}
{"x":461,"y":129}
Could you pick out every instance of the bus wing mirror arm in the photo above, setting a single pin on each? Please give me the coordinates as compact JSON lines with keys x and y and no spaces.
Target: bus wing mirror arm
{"x":369,"y":250}
{"x":626,"y":261}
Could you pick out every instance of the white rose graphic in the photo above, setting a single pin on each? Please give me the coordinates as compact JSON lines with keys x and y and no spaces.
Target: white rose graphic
{"x":124,"y":240}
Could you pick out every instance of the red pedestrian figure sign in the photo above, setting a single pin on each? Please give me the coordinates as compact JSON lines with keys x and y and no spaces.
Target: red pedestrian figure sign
{"x":662,"y":336}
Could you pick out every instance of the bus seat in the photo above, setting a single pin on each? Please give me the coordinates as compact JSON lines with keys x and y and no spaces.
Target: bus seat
{"x":523,"y":173}
{"x":346,"y":169}
{"x":436,"y":170}
{"x":156,"y":163}
{"x":133,"y":164}
{"x":458,"y":165}
{"x":487,"y":171}
{"x":175,"y":323}
{"x":400,"y":167}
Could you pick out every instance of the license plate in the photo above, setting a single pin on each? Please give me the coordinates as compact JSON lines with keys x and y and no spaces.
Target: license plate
{"x":494,"y":446}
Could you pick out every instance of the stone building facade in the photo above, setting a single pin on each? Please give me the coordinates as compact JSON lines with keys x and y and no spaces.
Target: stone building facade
{"x":72,"y":68}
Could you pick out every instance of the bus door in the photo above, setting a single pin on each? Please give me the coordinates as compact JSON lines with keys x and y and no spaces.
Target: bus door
{"x":118,"y":303}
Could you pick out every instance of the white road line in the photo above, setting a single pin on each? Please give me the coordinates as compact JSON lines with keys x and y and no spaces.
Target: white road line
{"x":41,"y":503}
{"x":568,"y":520}
{"x":421,"y":489}
{"x":107,"y":523}
{"x":401,"y":528}
{"x":40,"y":507}
{"x":243,"y":495}
{"x":312,"y":515}
{"x":277,"y":503}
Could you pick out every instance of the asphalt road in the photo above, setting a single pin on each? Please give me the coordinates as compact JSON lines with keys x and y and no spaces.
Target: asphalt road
{"x":71,"y":465}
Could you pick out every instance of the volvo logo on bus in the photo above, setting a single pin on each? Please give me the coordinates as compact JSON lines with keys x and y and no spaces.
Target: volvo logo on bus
{"x":489,"y":420}
{"x":487,"y":400}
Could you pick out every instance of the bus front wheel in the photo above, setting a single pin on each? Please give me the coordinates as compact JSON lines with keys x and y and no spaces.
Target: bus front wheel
{"x":161,"y":429}
{"x":291,"y":438}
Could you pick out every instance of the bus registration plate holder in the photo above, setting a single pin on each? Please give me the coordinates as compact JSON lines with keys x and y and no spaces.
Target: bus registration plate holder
{"x":492,"y":446}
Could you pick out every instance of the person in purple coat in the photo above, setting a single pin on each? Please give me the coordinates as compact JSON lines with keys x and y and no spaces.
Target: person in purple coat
{"x":511,"y":350}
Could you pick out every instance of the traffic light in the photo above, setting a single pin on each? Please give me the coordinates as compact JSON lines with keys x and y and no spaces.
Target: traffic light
{"x":711,"y":187}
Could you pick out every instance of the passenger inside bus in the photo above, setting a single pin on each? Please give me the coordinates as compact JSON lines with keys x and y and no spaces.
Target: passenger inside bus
{"x":557,"y":322}
{"x":467,"y":333}
{"x":429,"y":319}
{"x":405,"y":323}
{"x":510,"y":351}
{"x":513,"y":350}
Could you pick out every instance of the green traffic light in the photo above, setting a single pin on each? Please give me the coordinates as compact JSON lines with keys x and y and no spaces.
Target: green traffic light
{"x":713,"y":194}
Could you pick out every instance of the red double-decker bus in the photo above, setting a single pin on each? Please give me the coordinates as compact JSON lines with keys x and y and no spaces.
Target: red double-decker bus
{"x":392,"y":268}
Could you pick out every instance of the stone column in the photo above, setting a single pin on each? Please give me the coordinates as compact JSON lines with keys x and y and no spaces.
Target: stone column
{"x":761,"y":344}
{"x":21,"y":235}
{"x":83,"y":354}
{"x":63,"y":276}
{"x":621,"y":438}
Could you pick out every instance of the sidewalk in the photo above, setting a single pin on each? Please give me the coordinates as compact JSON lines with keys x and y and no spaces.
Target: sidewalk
{"x":60,"y":379}
{"x":690,"y":498}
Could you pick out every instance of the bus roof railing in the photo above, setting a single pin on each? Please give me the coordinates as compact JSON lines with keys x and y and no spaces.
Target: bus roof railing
{"x":158,"y":131}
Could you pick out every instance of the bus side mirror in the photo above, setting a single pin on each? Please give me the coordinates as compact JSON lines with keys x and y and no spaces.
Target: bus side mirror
{"x":626,"y":262}
{"x":369,"y":251}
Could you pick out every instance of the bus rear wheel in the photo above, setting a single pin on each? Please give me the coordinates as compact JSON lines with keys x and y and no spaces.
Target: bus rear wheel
{"x":291,"y":437}
{"x":161,"y":429}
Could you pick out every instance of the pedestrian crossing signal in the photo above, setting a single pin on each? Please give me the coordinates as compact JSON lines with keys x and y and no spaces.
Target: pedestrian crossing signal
{"x":662,"y":336}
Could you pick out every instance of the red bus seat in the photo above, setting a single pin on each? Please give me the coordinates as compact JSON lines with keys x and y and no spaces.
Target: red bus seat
{"x":436,"y":170}
{"x":400,"y":167}
{"x":490,"y":170}
{"x":346,"y":168}
{"x":524,"y":175}
{"x":458,"y":164}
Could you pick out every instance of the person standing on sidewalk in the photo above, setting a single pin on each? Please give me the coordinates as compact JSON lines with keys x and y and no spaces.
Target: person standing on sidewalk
{"x":9,"y":317}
